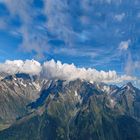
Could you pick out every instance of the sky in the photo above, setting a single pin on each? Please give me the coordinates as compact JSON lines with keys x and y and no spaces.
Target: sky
{"x":100,"y":34}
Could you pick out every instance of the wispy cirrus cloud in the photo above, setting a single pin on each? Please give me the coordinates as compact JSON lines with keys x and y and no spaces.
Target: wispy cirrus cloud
{"x":75,"y":52}
{"x":32,"y":37}
{"x":130,"y":64}
{"x":119,"y":17}
{"x":124,"y":45}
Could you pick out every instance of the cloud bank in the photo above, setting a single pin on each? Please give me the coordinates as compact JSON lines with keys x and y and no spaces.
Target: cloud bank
{"x":18,"y":66}
{"x":57,"y":70}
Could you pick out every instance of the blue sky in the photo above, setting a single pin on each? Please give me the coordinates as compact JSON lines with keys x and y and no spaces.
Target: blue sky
{"x":102,"y":34}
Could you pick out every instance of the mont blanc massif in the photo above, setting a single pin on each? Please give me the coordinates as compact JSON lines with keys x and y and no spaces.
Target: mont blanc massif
{"x":33,"y":107}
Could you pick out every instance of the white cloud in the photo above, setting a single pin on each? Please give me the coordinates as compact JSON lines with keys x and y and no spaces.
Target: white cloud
{"x":57,"y":70}
{"x":29,"y":66}
{"x":124,"y":45}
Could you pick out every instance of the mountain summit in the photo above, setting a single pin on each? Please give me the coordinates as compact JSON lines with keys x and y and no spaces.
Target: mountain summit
{"x":37,"y":109}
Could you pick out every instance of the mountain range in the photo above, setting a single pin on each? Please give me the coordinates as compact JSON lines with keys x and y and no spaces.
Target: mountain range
{"x":33,"y":108}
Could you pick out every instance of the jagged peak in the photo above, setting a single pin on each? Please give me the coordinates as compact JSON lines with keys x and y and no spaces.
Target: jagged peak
{"x":23,"y":76}
{"x":128,"y":85}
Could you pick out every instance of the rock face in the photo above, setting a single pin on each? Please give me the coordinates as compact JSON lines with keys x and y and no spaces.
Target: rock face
{"x":16,"y":91}
{"x":76,"y":110}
